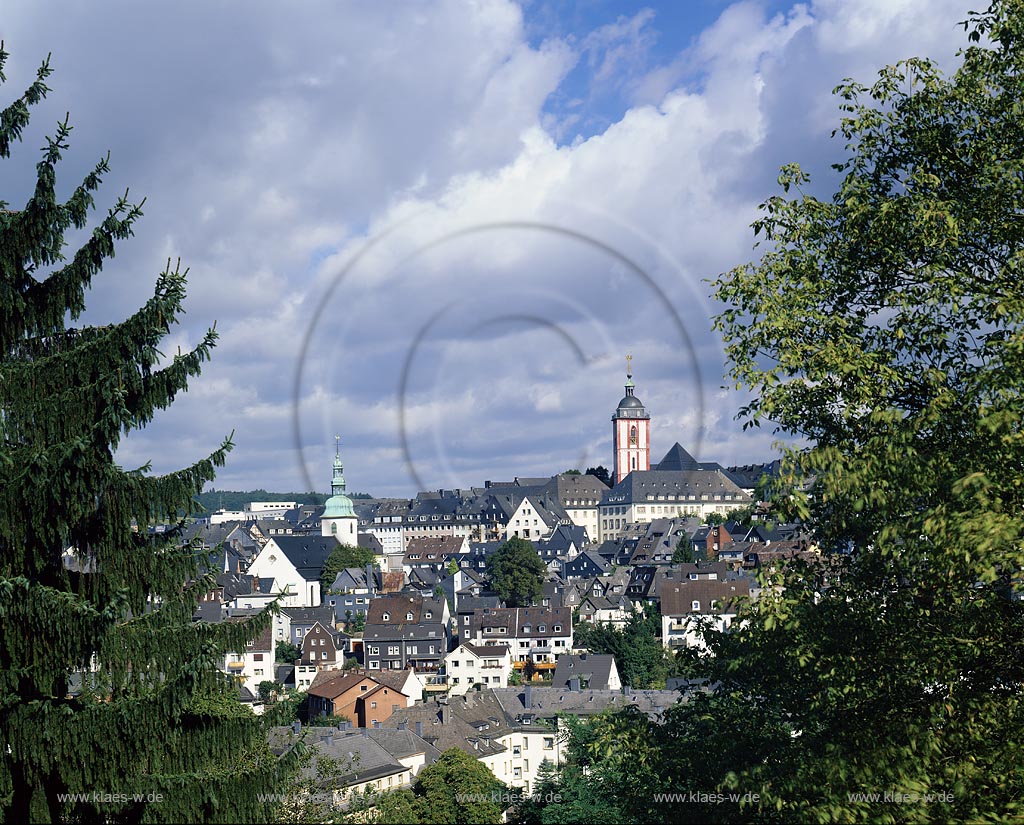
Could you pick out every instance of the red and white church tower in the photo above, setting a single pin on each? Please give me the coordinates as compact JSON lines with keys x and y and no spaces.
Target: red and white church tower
{"x":631,"y":432}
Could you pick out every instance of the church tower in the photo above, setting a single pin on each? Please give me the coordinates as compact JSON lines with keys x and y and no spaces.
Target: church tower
{"x":339,"y":518}
{"x":631,"y":432}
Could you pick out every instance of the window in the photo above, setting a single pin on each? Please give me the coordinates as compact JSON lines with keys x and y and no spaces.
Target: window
{"x":542,"y":629}
{"x":558,"y":628}
{"x":433,"y":648}
{"x":695,"y":605}
{"x":392,"y":650}
{"x":516,"y":750}
{"x":549,"y":742}
{"x":323,"y":654}
{"x":362,"y":688}
{"x":408,"y":617}
{"x":455,"y":663}
{"x":386,"y":617}
{"x":257,"y":657}
{"x":465,"y":619}
{"x":373,"y":705}
{"x":632,"y":434}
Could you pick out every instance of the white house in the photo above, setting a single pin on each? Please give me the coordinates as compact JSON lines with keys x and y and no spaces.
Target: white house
{"x":295,"y":563}
{"x":687,"y":607}
{"x":470,"y":664}
{"x":255,"y":663}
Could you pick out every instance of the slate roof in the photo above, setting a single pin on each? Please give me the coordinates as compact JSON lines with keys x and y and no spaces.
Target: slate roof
{"x":677,"y":459}
{"x":475,"y":721}
{"x":639,"y":484}
{"x":306,"y":553}
{"x":548,"y":702}
{"x":310,"y":615}
{"x":363,"y":754}
{"x":285,"y":675}
{"x":594,"y":668}
{"x":715,"y":597}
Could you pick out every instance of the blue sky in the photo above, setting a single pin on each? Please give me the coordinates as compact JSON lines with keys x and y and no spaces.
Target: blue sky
{"x":436,"y":228}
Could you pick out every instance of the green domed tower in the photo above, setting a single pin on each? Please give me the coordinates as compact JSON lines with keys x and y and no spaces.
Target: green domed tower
{"x":339,"y":518}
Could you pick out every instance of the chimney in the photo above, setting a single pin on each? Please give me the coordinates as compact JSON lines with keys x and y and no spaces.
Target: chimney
{"x":419,"y":729}
{"x":528,"y":697}
{"x":446,"y":714}
{"x":296,"y":726}
{"x":574,"y":684}
{"x":366,"y":733}
{"x":371,"y":582}
{"x":376,"y":724}
{"x":329,"y":738}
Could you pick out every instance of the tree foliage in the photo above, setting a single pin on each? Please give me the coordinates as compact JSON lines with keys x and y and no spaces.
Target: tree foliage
{"x":154,"y":716}
{"x":458,"y":789}
{"x":885,"y":327}
{"x":640,"y":657}
{"x":516,"y":572}
{"x":341,"y":558}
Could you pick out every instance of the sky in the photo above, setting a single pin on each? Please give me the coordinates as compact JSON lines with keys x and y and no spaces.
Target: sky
{"x":437,"y":228}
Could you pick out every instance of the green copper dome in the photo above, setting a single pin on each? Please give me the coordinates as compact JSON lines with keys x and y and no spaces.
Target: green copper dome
{"x":338,"y":505}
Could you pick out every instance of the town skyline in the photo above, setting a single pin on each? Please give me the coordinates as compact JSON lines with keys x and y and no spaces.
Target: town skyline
{"x":439,"y":234}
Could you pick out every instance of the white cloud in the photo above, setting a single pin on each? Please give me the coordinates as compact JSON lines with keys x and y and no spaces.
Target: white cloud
{"x":287,"y":140}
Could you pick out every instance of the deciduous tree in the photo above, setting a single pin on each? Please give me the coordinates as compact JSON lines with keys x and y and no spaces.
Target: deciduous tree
{"x":884,"y":326}
{"x":516,"y":572}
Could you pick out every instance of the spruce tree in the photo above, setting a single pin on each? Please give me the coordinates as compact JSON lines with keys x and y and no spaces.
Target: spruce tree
{"x":108,"y":689}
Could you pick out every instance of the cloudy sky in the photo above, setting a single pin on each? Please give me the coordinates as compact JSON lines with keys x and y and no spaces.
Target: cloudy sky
{"x":436,"y":228}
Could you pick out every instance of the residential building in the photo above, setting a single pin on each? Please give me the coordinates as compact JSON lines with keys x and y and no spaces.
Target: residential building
{"x":469,"y":665}
{"x":537,"y":633}
{"x":591,"y":671}
{"x":405,"y":631}
{"x":689,"y":606}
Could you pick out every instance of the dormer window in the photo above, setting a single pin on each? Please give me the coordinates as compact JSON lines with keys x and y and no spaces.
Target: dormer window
{"x":386,"y":617}
{"x":408,"y":617}
{"x":558,"y":628}
{"x":695,"y":605}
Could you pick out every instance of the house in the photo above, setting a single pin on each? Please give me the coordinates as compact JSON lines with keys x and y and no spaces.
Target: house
{"x":405,"y":631}
{"x":470,"y":664}
{"x":354,"y":695}
{"x":295,"y":563}
{"x":689,"y":606}
{"x":585,"y":565}
{"x":255,"y":662}
{"x":293,"y":623}
{"x":474,"y":723}
{"x":537,"y":633}
{"x":613,"y":610}
{"x":593,"y":671}
{"x":324,"y":646}
{"x":468,"y":605}
{"x":352,"y":590}
{"x":347,"y":761}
